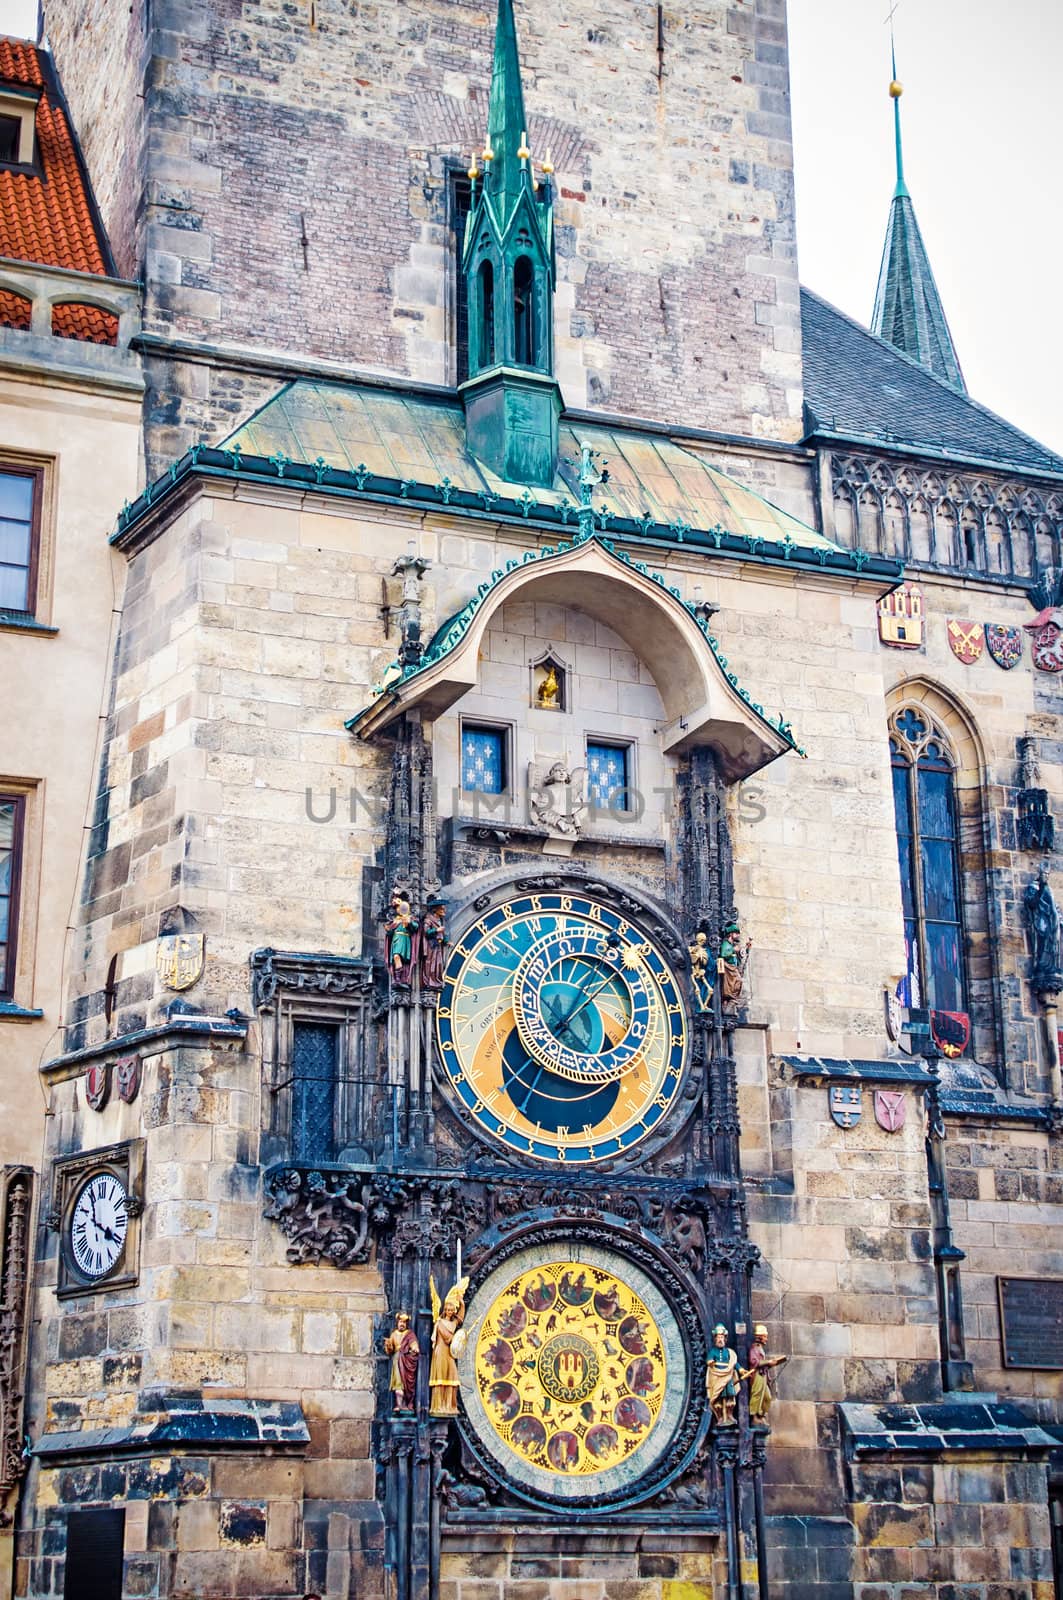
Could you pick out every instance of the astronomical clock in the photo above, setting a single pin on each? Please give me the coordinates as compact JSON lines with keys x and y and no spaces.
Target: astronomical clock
{"x":561,"y":1029}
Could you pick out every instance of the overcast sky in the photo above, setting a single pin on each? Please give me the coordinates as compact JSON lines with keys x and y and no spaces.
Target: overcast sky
{"x":983,"y":139}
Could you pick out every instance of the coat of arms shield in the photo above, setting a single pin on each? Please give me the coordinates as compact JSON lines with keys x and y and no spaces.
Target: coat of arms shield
{"x":179,"y":959}
{"x":1046,"y":640}
{"x":1004,"y":645}
{"x":900,"y":617}
{"x":845,"y":1104}
{"x":890,"y":1109}
{"x":127,"y":1078}
{"x":966,"y":640}
{"x":951,"y":1031}
{"x":98,"y":1084}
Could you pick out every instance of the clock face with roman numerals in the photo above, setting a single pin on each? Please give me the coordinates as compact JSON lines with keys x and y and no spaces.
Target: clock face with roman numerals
{"x":98,"y":1224}
{"x":561,"y":1028}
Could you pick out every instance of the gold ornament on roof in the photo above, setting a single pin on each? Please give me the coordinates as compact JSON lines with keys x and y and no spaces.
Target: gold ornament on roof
{"x":548,"y":164}
{"x":523,"y":153}
{"x":896,"y":89}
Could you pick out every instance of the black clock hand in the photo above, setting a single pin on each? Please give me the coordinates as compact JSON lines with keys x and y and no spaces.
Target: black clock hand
{"x":563,"y":1025}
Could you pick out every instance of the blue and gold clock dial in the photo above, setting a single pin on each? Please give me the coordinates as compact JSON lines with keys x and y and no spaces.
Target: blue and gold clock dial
{"x":561,"y":1028}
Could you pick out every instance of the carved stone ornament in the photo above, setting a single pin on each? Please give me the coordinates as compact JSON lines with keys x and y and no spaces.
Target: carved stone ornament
{"x":14,"y":1271}
{"x":290,"y":971}
{"x":557,"y":798}
{"x":336,"y":1216}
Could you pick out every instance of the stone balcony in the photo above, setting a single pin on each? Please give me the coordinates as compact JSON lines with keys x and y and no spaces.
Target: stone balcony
{"x":71,"y":327}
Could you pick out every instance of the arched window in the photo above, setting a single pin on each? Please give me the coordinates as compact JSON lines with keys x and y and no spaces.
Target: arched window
{"x":486,"y":350}
{"x":524,"y":350}
{"x":928,"y":847}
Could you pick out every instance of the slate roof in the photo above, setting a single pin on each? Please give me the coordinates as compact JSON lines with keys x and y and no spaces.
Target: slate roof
{"x":48,"y":215}
{"x":860,"y":389}
{"x":908,"y":311}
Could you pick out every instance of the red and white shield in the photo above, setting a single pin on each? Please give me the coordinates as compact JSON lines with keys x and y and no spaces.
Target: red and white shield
{"x":98,"y":1084}
{"x":890,"y":1109}
{"x":1046,"y":639}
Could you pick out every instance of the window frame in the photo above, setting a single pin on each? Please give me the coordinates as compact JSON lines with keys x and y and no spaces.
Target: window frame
{"x":504,"y":732}
{"x":11,"y":467}
{"x":906,"y":757}
{"x":605,"y":741}
{"x":9,"y":974}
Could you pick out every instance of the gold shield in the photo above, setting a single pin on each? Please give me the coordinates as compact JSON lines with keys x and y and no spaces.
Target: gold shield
{"x":179,"y":959}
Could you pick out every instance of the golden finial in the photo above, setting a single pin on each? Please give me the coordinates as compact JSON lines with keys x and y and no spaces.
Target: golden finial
{"x":474,"y":171}
{"x":488,"y":153}
{"x":523,"y":153}
{"x":548,"y":164}
{"x":896,"y":90}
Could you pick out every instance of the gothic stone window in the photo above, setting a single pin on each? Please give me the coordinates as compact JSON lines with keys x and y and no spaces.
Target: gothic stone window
{"x":316,"y":1050}
{"x":928,"y":847}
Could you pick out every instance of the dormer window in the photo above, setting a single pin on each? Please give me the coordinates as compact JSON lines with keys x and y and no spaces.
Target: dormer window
{"x":18,"y":120}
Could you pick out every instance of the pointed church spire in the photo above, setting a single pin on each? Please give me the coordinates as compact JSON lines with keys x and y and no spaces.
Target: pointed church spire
{"x":507,"y":125}
{"x":512,"y":399}
{"x":908,"y":311}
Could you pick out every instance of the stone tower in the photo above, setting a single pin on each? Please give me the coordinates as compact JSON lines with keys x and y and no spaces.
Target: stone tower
{"x":288,"y":182}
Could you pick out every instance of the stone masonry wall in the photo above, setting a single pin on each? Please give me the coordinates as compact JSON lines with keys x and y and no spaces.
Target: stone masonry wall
{"x":677,"y":292}
{"x":217,"y":1313}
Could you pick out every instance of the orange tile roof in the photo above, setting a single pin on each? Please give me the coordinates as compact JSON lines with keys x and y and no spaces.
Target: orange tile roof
{"x":49,"y":216}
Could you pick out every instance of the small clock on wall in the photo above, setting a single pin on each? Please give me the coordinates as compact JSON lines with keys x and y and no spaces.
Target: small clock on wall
{"x":98,"y":1198}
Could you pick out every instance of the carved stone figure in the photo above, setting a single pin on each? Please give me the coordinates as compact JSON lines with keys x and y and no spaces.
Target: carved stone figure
{"x":556,"y":799}
{"x":721,"y":1378}
{"x":401,"y":1345}
{"x":433,"y":944}
{"x":448,"y":1342}
{"x":734,"y":958}
{"x":700,"y":983}
{"x":759,"y":1373}
{"x":400,"y":928}
{"x":1043,"y":919}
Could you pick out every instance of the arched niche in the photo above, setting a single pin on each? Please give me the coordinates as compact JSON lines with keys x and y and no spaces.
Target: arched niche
{"x":701,"y":706}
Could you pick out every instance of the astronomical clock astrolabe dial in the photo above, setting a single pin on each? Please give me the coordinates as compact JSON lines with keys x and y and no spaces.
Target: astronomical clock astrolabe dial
{"x":561,"y":1028}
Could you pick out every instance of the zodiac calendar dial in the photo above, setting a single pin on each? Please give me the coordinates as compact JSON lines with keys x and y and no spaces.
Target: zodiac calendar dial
{"x":570,"y":1368}
{"x":561,"y":1028}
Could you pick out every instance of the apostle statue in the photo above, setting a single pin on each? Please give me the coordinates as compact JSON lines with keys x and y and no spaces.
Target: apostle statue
{"x":401,"y":1345}
{"x":1043,"y":919}
{"x":433,"y":944}
{"x":448,"y":1342}
{"x":721,"y":1378}
{"x":759,"y":1372}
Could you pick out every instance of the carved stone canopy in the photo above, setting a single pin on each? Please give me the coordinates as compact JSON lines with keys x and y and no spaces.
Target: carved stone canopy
{"x":702,"y":705}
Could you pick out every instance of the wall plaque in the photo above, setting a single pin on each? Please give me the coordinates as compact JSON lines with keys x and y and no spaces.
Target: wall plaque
{"x":1031,"y":1321}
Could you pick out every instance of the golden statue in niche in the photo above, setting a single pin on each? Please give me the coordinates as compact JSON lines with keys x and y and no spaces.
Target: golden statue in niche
{"x":549,"y":679}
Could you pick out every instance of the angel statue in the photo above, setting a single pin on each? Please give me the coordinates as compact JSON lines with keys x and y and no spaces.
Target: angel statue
{"x":448,"y":1345}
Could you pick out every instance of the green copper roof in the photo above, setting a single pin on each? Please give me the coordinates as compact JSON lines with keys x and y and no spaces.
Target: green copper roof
{"x":506,"y":122}
{"x":421,"y":441}
{"x":908,"y":311}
